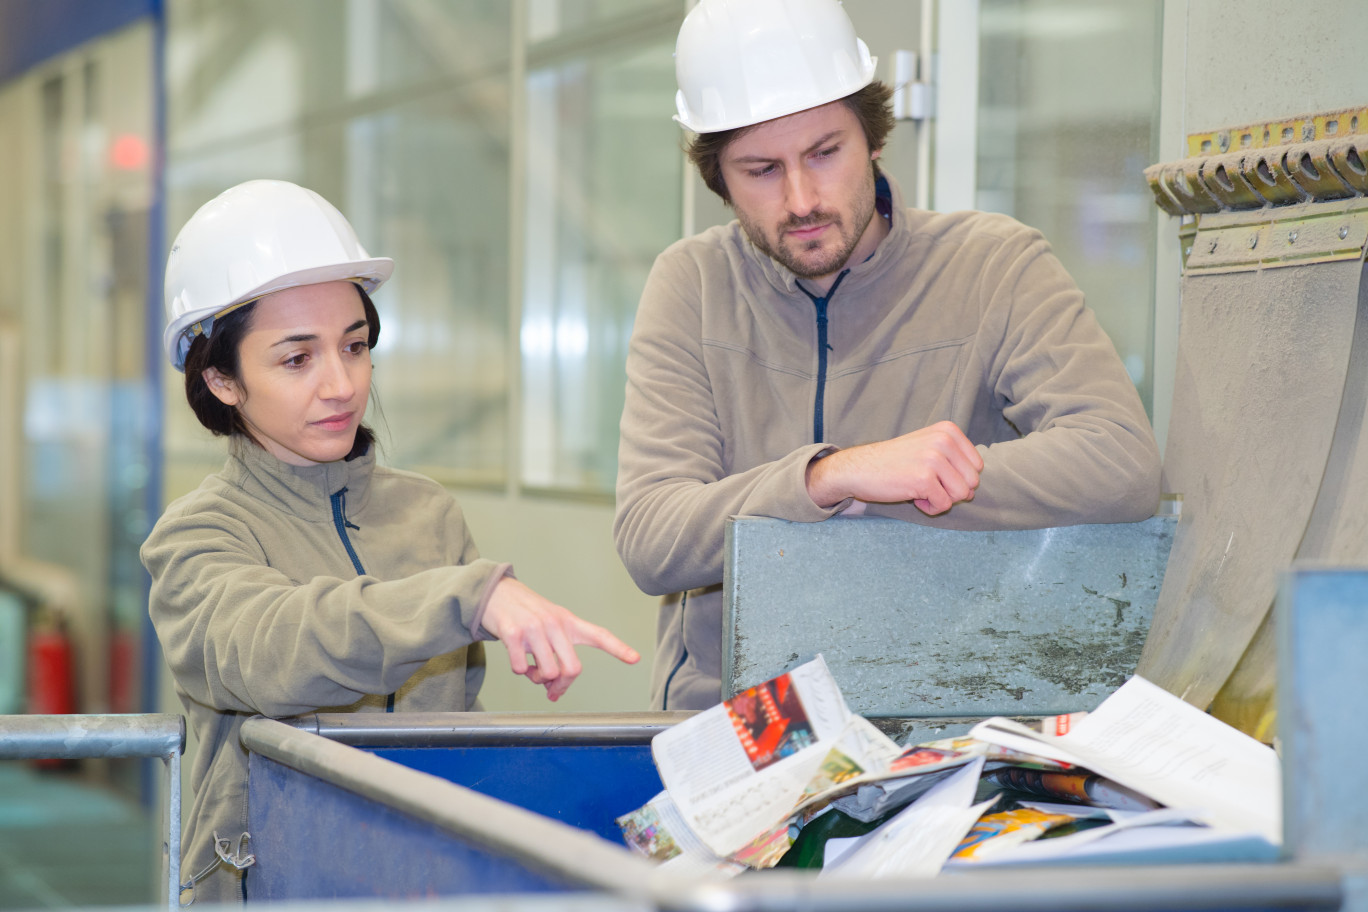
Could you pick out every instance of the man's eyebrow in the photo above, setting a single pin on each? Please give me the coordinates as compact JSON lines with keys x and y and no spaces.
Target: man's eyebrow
{"x":313,"y":337}
{"x":821,"y":141}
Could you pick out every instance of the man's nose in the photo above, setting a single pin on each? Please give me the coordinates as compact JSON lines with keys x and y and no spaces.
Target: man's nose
{"x":802,"y":191}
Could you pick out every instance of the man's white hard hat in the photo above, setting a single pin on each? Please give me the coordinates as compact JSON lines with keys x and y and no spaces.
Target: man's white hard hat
{"x":742,"y":62}
{"x":259,"y":237}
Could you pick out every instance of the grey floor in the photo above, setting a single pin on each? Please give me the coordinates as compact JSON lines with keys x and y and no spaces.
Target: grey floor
{"x":67,"y":841}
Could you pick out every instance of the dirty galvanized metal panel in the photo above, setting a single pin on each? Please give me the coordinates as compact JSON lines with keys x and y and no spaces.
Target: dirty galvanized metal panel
{"x":1263,"y":358}
{"x":921,"y":622}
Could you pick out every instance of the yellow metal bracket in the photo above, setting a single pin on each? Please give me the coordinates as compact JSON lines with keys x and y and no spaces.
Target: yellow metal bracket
{"x":1287,"y":236}
{"x":1274,"y":194}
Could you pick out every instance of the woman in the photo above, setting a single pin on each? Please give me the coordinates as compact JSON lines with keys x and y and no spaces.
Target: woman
{"x":304,"y":576}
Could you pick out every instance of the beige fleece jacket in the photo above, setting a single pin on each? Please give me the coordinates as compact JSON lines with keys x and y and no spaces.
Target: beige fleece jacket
{"x":962,"y":316}
{"x":282,"y":590}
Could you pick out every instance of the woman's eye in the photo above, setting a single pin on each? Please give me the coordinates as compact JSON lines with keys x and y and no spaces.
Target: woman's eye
{"x":296,"y":361}
{"x":357,"y":348}
{"x":761,"y":172}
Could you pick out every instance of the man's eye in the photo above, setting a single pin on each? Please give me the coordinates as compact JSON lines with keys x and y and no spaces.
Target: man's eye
{"x":761,"y":172}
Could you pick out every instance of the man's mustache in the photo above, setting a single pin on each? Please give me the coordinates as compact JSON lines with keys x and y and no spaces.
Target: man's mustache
{"x":816,"y":217}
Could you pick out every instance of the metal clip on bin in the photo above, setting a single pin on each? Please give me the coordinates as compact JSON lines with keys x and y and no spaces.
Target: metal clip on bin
{"x":79,"y":737}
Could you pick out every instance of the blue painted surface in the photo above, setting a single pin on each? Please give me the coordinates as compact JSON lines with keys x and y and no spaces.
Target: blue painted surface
{"x":1322,"y":623}
{"x":32,"y":31}
{"x":313,"y":840}
{"x":584,"y":786}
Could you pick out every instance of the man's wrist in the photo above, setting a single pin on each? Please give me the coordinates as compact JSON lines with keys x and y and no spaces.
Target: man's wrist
{"x":820,"y":480}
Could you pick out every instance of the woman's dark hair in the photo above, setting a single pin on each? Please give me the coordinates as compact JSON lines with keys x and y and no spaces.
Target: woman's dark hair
{"x":872,"y":106}
{"x":219,"y":350}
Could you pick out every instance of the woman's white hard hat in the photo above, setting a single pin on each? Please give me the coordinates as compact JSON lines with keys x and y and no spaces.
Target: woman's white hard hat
{"x":259,"y":237}
{"x":742,"y":62}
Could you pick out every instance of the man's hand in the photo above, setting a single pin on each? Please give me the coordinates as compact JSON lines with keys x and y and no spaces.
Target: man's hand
{"x":529,"y":624}
{"x":934,"y":468}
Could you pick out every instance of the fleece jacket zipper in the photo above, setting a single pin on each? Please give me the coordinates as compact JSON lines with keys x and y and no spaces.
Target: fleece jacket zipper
{"x":819,"y":402}
{"x":341,"y":524}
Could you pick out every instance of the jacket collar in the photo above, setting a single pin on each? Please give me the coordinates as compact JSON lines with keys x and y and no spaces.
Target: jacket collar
{"x":302,"y":491}
{"x":888,"y":198}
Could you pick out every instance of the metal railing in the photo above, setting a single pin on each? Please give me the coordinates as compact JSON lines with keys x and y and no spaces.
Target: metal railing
{"x":78,"y":737}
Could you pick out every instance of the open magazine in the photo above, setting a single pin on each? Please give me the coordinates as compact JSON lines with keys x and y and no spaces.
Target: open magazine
{"x":739,"y":769}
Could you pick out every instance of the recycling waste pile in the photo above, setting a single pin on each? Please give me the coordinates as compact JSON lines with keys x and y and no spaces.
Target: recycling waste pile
{"x":784,"y":774}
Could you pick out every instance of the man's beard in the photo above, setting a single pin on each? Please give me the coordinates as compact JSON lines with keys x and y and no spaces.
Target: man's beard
{"x":788,"y":253}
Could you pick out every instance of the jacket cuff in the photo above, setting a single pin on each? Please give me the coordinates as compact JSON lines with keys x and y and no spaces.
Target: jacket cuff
{"x":822,"y":512}
{"x":477,"y":631}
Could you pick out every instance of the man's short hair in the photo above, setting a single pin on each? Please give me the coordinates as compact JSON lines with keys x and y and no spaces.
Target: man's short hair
{"x":871,"y":105}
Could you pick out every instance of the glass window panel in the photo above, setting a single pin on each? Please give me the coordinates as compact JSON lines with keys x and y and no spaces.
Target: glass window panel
{"x":437,"y":176}
{"x":1068,"y":121}
{"x":88,"y":413}
{"x":603,"y":199}
{"x":398,"y":43}
{"x":419,"y":166}
{"x":548,"y":18}
{"x":238,"y":69}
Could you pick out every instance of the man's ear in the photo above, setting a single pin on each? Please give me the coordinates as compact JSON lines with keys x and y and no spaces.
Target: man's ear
{"x":875,"y":154}
{"x":223,"y":388}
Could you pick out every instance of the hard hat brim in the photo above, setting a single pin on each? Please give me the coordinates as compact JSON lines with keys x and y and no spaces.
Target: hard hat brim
{"x":370,"y":274}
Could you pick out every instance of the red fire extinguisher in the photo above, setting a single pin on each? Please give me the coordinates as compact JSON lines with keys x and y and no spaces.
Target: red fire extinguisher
{"x":51,"y":671}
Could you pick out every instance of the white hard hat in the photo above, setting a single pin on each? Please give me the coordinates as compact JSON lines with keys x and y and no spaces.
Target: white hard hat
{"x":741,"y":62}
{"x":259,"y":237}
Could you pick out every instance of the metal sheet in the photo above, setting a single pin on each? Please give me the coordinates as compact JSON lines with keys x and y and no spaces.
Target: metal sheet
{"x":1336,"y":532}
{"x":922,"y":622}
{"x":1262,"y":361}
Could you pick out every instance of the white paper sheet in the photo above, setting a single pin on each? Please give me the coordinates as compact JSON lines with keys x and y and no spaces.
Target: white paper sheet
{"x":919,"y":839}
{"x":1147,"y":739}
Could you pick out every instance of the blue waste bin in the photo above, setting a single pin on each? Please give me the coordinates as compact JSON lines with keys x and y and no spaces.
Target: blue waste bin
{"x":438,"y":804}
{"x":408,"y":806}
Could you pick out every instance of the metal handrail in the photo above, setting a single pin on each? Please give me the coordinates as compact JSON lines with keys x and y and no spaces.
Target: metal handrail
{"x":83,"y":736}
{"x":487,"y":729}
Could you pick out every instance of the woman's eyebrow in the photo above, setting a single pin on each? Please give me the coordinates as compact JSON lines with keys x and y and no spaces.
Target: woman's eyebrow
{"x":311,"y":337}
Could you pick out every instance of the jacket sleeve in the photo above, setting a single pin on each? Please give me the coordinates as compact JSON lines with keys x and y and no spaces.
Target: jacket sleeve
{"x":1086,"y":451}
{"x":673,"y":491}
{"x":241,"y":636}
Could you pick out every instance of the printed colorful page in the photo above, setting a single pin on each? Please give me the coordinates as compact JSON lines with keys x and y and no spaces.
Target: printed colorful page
{"x":657,"y":831}
{"x":737,"y":770}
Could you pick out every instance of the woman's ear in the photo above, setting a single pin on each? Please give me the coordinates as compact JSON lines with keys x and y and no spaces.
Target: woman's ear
{"x":223,"y":388}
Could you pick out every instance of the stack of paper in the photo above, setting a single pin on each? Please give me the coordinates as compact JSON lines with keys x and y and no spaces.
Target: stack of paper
{"x":743,"y":777}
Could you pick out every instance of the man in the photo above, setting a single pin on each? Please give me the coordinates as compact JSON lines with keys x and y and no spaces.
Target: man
{"x":832,"y":351}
